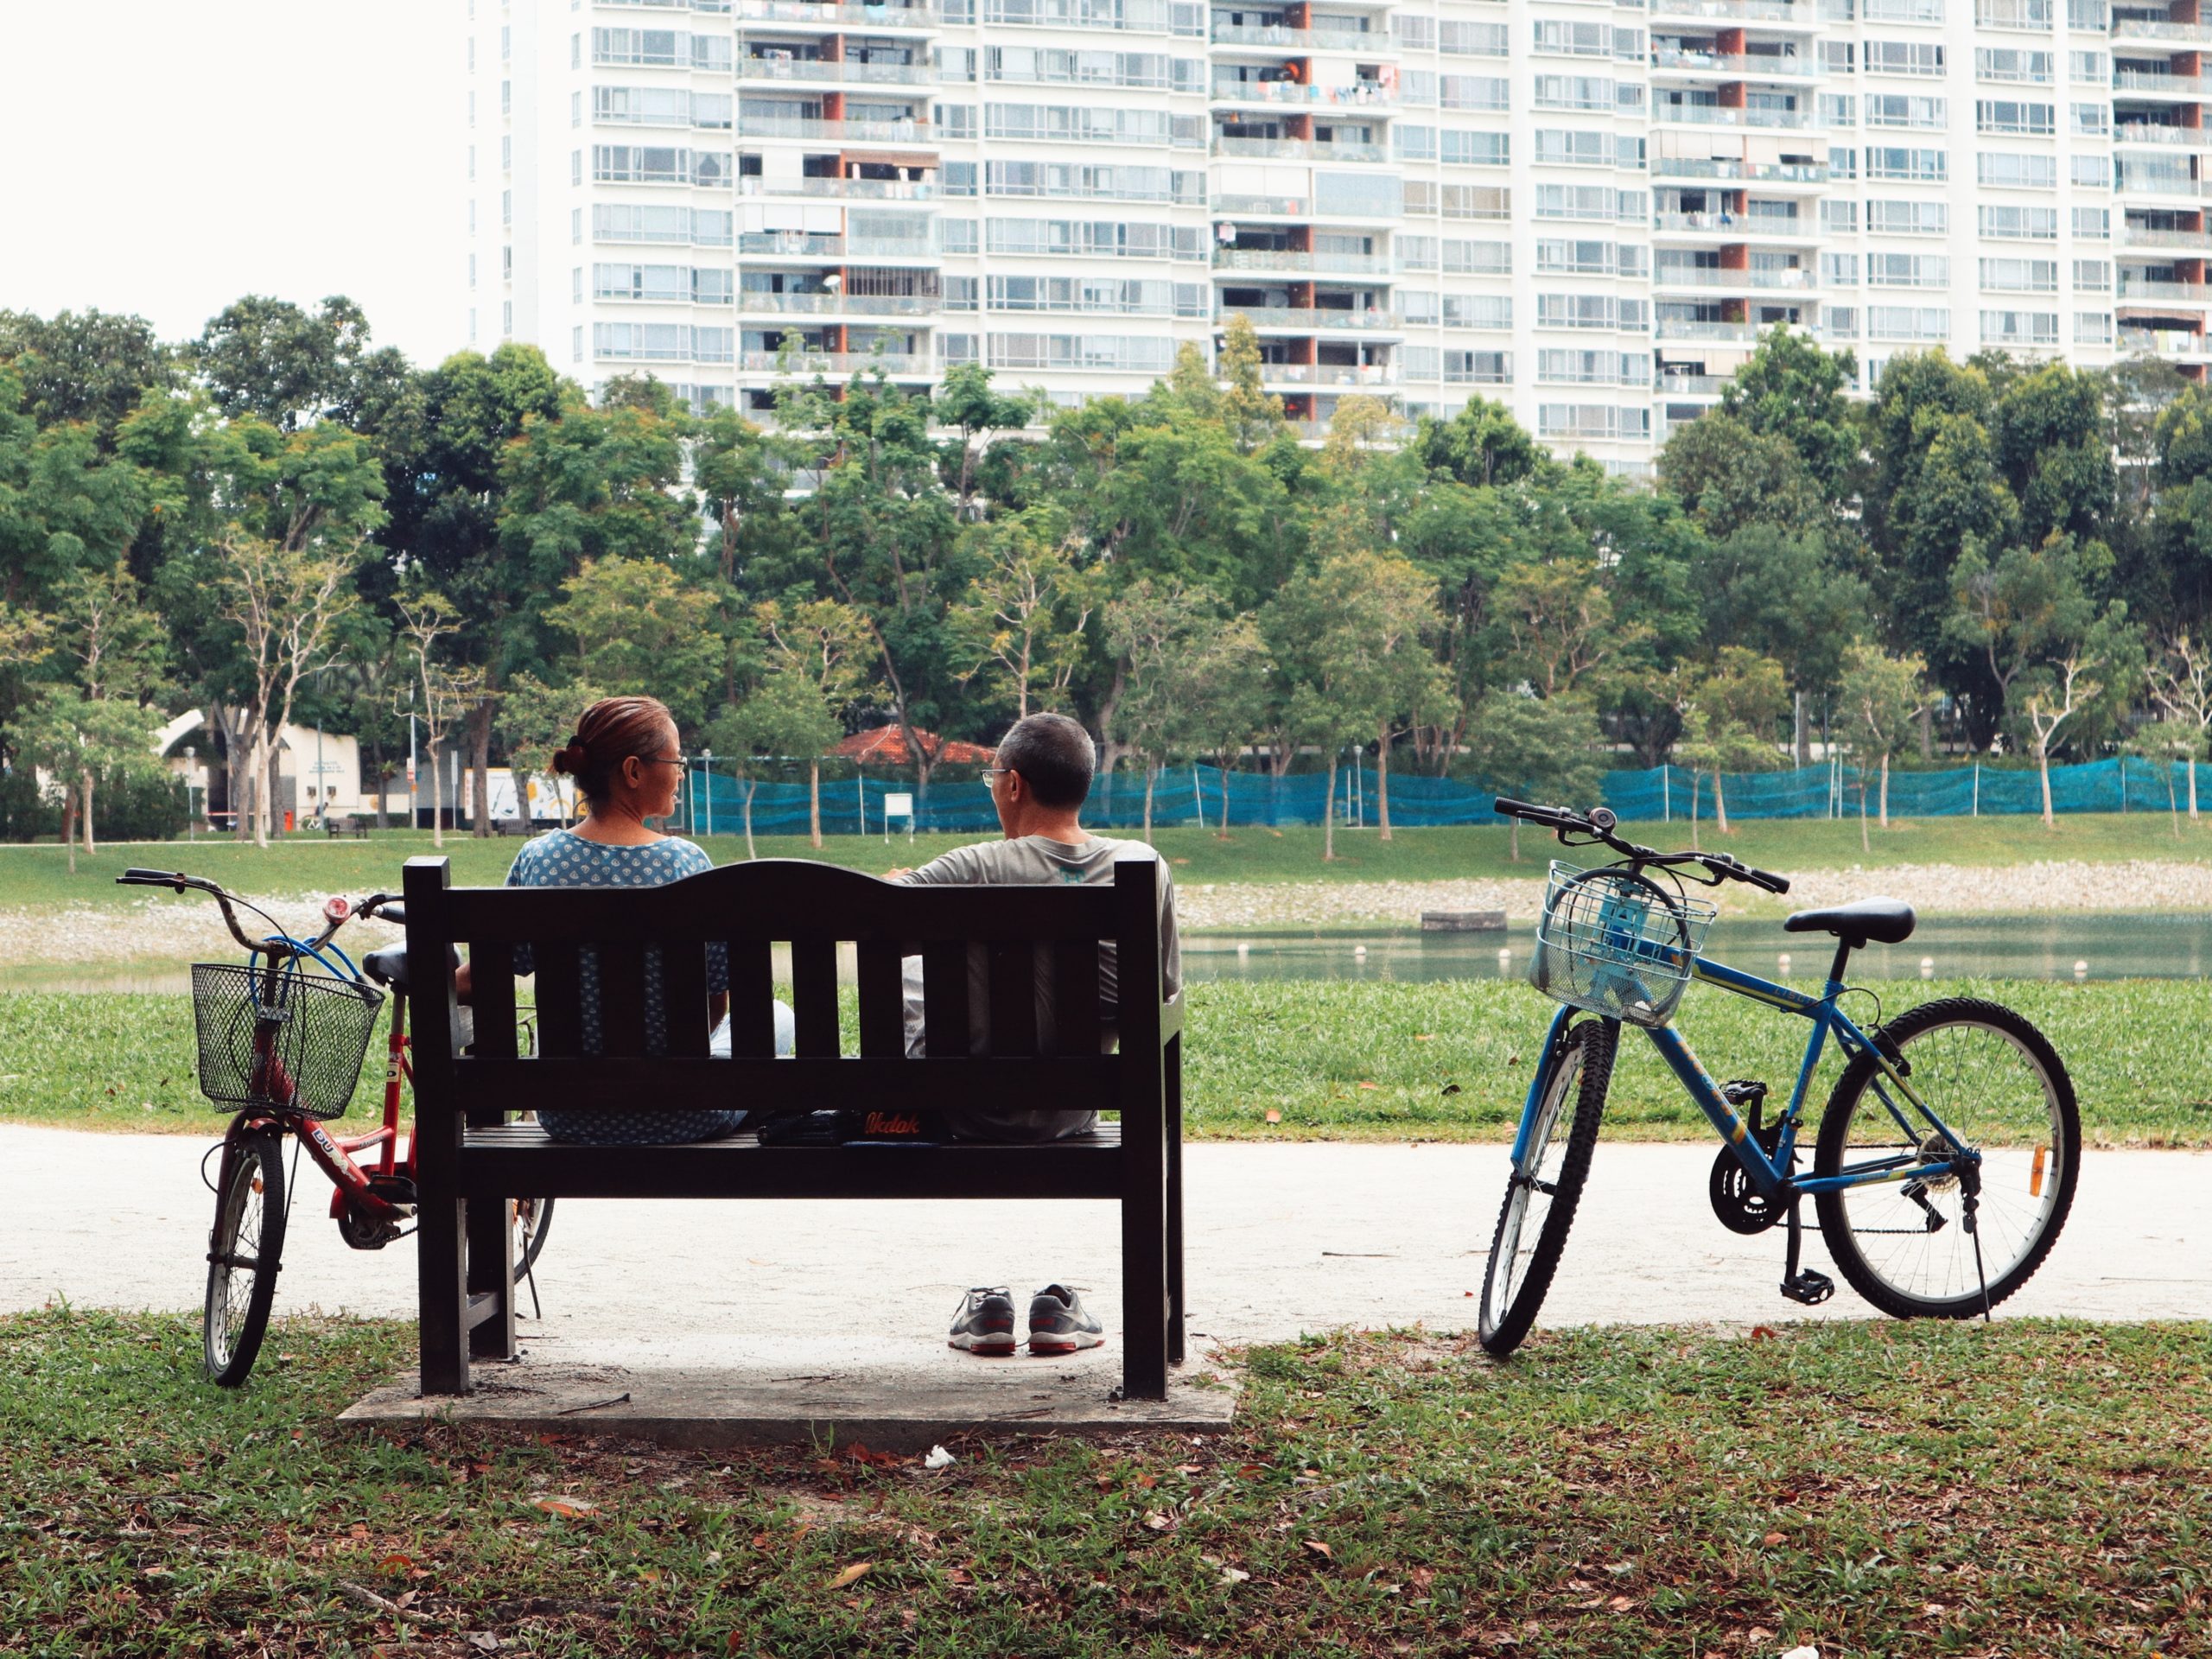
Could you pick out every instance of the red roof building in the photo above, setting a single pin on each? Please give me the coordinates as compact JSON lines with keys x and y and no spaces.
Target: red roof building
{"x":886,"y":745}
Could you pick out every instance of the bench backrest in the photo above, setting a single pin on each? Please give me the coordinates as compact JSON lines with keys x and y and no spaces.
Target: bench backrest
{"x":1037,"y":948}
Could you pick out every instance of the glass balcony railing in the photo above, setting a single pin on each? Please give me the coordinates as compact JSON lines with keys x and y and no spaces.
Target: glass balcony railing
{"x":1750,"y":66}
{"x":1319,"y":320}
{"x":837,"y":16}
{"x":848,"y":70}
{"x":1344,"y":265}
{"x":1361,"y":93}
{"x":864,"y":305}
{"x":809,"y":363}
{"x":1298,"y":150}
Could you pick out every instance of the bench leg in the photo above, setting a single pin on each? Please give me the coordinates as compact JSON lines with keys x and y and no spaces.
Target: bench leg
{"x":1173,"y":1102}
{"x":1144,"y":1265}
{"x":491,"y":1272}
{"x":443,"y":1296}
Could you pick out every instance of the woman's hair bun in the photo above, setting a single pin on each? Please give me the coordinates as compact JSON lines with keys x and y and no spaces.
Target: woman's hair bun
{"x":571,"y":759}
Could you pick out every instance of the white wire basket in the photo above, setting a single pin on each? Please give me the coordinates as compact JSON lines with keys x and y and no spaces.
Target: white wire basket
{"x":1616,"y":943}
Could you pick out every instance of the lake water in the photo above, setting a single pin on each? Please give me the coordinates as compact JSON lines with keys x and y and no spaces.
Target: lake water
{"x":2130,"y":946}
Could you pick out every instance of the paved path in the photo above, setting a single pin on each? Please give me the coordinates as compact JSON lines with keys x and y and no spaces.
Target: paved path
{"x":1282,"y":1239}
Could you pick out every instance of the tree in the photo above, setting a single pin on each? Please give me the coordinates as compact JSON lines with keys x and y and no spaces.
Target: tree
{"x":826,"y":645}
{"x":84,"y":367}
{"x":1558,"y":625}
{"x":1790,"y":389}
{"x":1537,"y":749}
{"x":1153,"y":629}
{"x":637,"y":625}
{"x":1731,"y":477}
{"x":2094,"y":670}
{"x":2009,"y":616}
{"x":286,"y":365}
{"x":1482,"y":445}
{"x":2181,"y":683}
{"x":1253,"y":415}
{"x":966,"y":402}
{"x":1220,"y":679}
{"x":2166,"y":744}
{"x":536,"y":721}
{"x":76,"y":737}
{"x":1731,"y":715}
{"x":447,"y":691}
{"x":784,"y":716}
{"x":1021,"y":620}
{"x":1880,"y":697}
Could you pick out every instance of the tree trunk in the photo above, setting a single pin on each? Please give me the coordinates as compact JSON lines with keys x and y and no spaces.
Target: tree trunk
{"x":69,"y":826}
{"x":1513,"y":835}
{"x":383,"y":781}
{"x":1928,"y":732}
{"x":479,"y":761}
{"x":1329,"y":814}
{"x":814,"y":803}
{"x":2042,"y":768}
{"x":1223,"y":833}
{"x":265,"y":783}
{"x":2192,"y":763}
{"x":437,"y":809}
{"x":1885,"y":789}
{"x":750,"y":786}
{"x":1864,"y":846}
{"x":85,"y":779}
{"x":1719,"y":803}
{"x":2172,"y":804}
{"x":1150,"y":776}
{"x":1696,"y":776}
{"x":1382,"y":780}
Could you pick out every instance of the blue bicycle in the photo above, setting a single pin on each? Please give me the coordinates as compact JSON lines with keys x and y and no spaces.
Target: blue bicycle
{"x":1947,"y":1155}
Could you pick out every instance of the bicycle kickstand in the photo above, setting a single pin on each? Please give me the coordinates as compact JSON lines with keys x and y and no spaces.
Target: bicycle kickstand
{"x":1970,"y":1203}
{"x":1802,"y":1285}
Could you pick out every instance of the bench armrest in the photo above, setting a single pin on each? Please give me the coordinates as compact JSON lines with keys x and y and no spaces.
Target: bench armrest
{"x":1171,"y":1018}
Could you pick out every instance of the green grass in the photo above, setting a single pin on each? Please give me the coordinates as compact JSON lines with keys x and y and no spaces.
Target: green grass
{"x":39,"y":874}
{"x":1447,"y":1060}
{"x":2026,"y":1489}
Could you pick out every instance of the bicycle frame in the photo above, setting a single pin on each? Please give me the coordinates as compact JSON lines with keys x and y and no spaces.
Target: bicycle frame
{"x":1769,"y":1175}
{"x":350,"y":1183}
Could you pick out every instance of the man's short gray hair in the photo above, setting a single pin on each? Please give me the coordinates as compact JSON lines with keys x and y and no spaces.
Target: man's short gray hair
{"x":1055,"y":757}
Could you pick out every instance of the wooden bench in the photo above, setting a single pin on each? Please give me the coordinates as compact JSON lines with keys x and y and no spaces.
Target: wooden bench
{"x":1033,"y":950}
{"x":345,"y":824}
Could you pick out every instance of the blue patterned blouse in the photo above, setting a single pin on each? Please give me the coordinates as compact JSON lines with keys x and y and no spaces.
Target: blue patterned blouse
{"x":562,"y":859}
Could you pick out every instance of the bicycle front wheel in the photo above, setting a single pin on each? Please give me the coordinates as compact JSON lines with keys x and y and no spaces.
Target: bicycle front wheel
{"x":244,"y":1251}
{"x":1997,"y":1085}
{"x":1546,"y":1184}
{"x":533,"y":1217}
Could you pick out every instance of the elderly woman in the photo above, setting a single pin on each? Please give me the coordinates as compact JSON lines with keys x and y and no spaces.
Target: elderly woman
{"x":629,"y":763}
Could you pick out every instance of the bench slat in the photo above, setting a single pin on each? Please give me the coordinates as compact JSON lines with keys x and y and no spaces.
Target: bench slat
{"x":1068,"y":1084}
{"x":560,"y":1000}
{"x":1075,"y":997}
{"x":883,"y":1022}
{"x":491,"y":973}
{"x":621,"y":996}
{"x":683,"y":994}
{"x":1013,"y":998}
{"x":813,"y":996}
{"x":751,"y":987}
{"x":944,"y":1000}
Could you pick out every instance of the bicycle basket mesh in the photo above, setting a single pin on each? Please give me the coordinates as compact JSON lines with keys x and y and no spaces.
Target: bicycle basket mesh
{"x":1617,"y":943}
{"x":321,"y":1033}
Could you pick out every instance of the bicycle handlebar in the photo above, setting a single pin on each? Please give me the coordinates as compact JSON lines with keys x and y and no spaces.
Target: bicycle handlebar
{"x":1596,"y":825}
{"x":386,"y":904}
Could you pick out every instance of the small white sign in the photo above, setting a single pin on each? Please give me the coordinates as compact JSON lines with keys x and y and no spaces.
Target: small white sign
{"x":898,"y":806}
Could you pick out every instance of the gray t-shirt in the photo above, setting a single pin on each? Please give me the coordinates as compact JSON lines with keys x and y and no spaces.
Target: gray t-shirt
{"x":1036,"y":861}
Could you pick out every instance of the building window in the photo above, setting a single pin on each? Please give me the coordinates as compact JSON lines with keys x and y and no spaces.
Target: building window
{"x":506,"y":319}
{"x":2093,"y":327}
{"x":576,"y":344}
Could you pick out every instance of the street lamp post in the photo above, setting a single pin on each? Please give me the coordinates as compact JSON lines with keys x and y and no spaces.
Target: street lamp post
{"x":191,"y":817}
{"x":706,"y":769}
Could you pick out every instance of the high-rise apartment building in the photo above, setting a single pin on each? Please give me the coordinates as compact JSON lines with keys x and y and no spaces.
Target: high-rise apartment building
{"x":1587,"y":210}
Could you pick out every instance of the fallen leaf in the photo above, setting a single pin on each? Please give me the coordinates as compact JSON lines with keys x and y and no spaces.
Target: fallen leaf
{"x":1320,"y":1548}
{"x":1424,"y":1036}
{"x":395,"y":1563}
{"x":1765,"y":1333}
{"x":1147,"y":1481}
{"x":735,"y":1641}
{"x":1422,"y":1577}
{"x":852,"y":1574}
{"x":1189,"y":1468}
{"x":1772,"y":1538}
{"x":570,"y":1507}
{"x":485,"y":1642}
{"x":1621,"y":1604}
{"x":1451,"y":1088}
{"x":1274,"y":1116}
{"x":1235,"y":1575}
{"x":759,"y":1541}
{"x":1252,"y":1470}
{"x":1155,"y":1521}
{"x":650,"y":1575}
{"x":1370,"y":1085}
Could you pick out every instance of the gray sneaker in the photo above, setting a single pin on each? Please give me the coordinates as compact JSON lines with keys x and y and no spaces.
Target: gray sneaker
{"x":1059,"y":1324}
{"x":985,"y":1322}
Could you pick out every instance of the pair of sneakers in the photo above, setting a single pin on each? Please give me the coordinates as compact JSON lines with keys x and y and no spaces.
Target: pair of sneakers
{"x":1058,"y":1323}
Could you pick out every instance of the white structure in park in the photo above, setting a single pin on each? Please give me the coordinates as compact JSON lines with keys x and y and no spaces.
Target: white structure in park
{"x":1586,"y":210}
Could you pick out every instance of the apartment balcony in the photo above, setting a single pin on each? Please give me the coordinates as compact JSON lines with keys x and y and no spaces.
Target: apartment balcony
{"x":818,"y":244}
{"x":1706,"y":276}
{"x":1314,"y":319}
{"x":809,"y":363}
{"x":2137,"y":288}
{"x":1739,"y":333}
{"x":2182,"y":241}
{"x":1305,"y":40}
{"x":1812,"y":175}
{"x":840,"y":17}
{"x":847,"y":190}
{"x":1689,"y":385}
{"x":1297,"y":150}
{"x":1766,"y":13}
{"x":1276,"y":93}
{"x":1736,"y":65}
{"x":1713,"y":114}
{"x":1294,"y":260}
{"x":1329,"y":374}
{"x":836,"y":132}
{"x":2166,"y":137}
{"x":855,"y":305}
{"x":2128,"y":28}
{"x":2138,"y":83}
{"x":2173,"y":186}
{"x":1735,"y":227}
{"x":2169,"y":345}
{"x":848,"y":71}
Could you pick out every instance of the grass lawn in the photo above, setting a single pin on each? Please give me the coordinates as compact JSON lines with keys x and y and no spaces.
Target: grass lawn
{"x":2024,"y":1489}
{"x":39,"y":874}
{"x":1442,"y":1060}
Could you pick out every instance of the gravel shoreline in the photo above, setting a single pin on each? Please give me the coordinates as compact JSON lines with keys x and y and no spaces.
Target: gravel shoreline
{"x":152,"y":928}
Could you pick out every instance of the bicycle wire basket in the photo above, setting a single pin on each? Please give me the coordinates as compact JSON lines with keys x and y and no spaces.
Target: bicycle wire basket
{"x":321,"y":1028}
{"x":1616,"y":943}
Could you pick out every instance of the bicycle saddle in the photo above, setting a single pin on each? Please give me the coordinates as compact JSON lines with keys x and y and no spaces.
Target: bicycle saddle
{"x":387,"y":965}
{"x":1884,"y":921}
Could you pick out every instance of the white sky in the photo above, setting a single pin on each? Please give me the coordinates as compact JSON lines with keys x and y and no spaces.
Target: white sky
{"x":165,"y":156}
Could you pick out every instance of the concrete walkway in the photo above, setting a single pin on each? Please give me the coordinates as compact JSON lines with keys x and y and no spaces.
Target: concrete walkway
{"x":1282,"y":1239}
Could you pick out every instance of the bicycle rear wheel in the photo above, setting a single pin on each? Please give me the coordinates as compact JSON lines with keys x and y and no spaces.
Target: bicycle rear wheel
{"x":533,"y":1216}
{"x":1546,"y":1185}
{"x":1999,"y":1086}
{"x":244,"y":1252}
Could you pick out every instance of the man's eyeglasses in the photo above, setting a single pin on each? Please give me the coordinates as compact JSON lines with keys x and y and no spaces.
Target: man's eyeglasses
{"x":998,"y":772}
{"x":663,"y":760}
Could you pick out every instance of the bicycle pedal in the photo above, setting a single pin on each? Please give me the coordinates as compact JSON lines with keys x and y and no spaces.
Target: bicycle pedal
{"x":1809,"y":1288}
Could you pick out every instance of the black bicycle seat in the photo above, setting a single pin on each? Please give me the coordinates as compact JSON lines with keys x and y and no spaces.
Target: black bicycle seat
{"x":1884,"y":921}
{"x":387,"y":965}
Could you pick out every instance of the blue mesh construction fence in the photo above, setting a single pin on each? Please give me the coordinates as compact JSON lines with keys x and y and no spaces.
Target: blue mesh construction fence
{"x":1180,"y":794}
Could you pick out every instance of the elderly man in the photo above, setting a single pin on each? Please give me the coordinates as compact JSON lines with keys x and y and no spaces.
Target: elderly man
{"x":1039,"y":786}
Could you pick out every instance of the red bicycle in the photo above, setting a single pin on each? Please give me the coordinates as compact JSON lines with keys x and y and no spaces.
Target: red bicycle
{"x":284,"y":1044}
